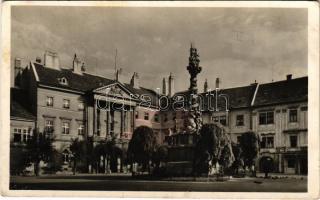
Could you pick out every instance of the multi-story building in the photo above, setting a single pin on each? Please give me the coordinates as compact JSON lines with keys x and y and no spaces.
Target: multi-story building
{"x":280,"y":117}
{"x":277,"y":111}
{"x":71,"y":103}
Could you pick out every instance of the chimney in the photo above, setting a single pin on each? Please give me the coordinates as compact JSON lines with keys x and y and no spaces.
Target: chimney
{"x":205,"y":86}
{"x":118,"y":75}
{"x":134,"y":82}
{"x":171,"y":85}
{"x":51,"y":60}
{"x":77,"y":65}
{"x":38,"y":60}
{"x":289,"y":77}
{"x":255,"y":83}
{"x":217,"y":83}
{"x":83,"y":67}
{"x":164,"y":86}
{"x":17,"y":72}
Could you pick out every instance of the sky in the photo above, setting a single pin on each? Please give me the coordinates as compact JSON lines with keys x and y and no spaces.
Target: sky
{"x":238,"y":45}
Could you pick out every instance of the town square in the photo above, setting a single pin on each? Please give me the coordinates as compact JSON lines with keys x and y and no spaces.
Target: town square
{"x":181,"y":99}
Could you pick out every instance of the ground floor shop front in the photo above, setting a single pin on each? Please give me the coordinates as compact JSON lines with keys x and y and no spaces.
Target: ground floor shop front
{"x":289,"y":161}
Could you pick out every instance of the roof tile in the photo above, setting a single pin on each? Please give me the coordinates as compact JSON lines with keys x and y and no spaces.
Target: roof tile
{"x":282,"y":92}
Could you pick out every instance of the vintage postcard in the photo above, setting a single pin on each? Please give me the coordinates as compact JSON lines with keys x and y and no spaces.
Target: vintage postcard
{"x":160,"y":99}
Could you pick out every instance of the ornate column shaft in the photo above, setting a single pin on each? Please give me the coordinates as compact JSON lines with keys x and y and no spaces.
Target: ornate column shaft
{"x":194,"y":120}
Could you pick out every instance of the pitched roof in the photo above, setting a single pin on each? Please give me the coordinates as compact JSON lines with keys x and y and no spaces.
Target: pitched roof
{"x":83,"y":83}
{"x":286,"y":91}
{"x":18,"y":105}
{"x":144,"y":91}
{"x":237,"y":97}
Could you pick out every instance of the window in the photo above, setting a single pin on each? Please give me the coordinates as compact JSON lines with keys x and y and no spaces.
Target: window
{"x":223,"y":120}
{"x":137,"y":114}
{"x":49,"y":126}
{"x":65,"y":127}
{"x":293,"y":115}
{"x":21,"y":134}
{"x":239,"y":120}
{"x":156,"y":118}
{"x":63,"y":81}
{"x":81,"y":129}
{"x":50,"y":101}
{"x":66,"y":103}
{"x":266,"y":117}
{"x":146,"y":116}
{"x":304,"y":108}
{"x":267,"y":142}
{"x":220,"y":119}
{"x":81,"y":106}
{"x":16,"y":135}
{"x":291,"y":163}
{"x":66,"y":156}
{"x":29,"y":134}
{"x":293,"y":141}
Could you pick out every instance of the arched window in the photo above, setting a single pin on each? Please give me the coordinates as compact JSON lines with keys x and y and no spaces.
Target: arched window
{"x":66,"y":156}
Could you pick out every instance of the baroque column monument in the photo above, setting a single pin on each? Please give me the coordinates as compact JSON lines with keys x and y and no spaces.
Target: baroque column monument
{"x":193,"y":122}
{"x":181,"y":146}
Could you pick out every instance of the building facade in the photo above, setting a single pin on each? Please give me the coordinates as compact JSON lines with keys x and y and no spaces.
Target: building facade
{"x":71,"y":103}
{"x":277,"y":111}
{"x":280,"y":117}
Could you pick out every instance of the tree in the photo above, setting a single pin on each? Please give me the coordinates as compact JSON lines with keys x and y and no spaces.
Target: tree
{"x":249,"y":144}
{"x":214,"y":145}
{"x":55,"y":163}
{"x":18,"y":160}
{"x":142,"y":146}
{"x":98,"y":151}
{"x":161,"y":155}
{"x":79,"y":152}
{"x":238,"y":162}
{"x":89,"y":153}
{"x":226,"y":158}
{"x":39,"y":148}
{"x":111,"y":154}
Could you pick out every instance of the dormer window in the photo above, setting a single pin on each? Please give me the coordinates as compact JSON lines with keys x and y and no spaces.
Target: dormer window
{"x":63,"y":81}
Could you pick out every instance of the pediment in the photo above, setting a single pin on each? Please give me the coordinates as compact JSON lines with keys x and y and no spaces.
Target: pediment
{"x":114,"y":90}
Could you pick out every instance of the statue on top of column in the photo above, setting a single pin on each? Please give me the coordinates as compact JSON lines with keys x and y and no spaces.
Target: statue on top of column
{"x":194,"y":119}
{"x":194,"y":69}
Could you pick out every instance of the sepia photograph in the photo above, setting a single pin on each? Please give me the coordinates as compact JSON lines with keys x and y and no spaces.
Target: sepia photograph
{"x":161,"y":98}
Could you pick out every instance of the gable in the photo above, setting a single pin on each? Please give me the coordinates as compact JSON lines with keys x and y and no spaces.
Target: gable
{"x":114,"y":90}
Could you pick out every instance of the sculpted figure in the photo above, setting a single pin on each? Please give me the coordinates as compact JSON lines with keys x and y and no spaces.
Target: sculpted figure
{"x":194,"y":120}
